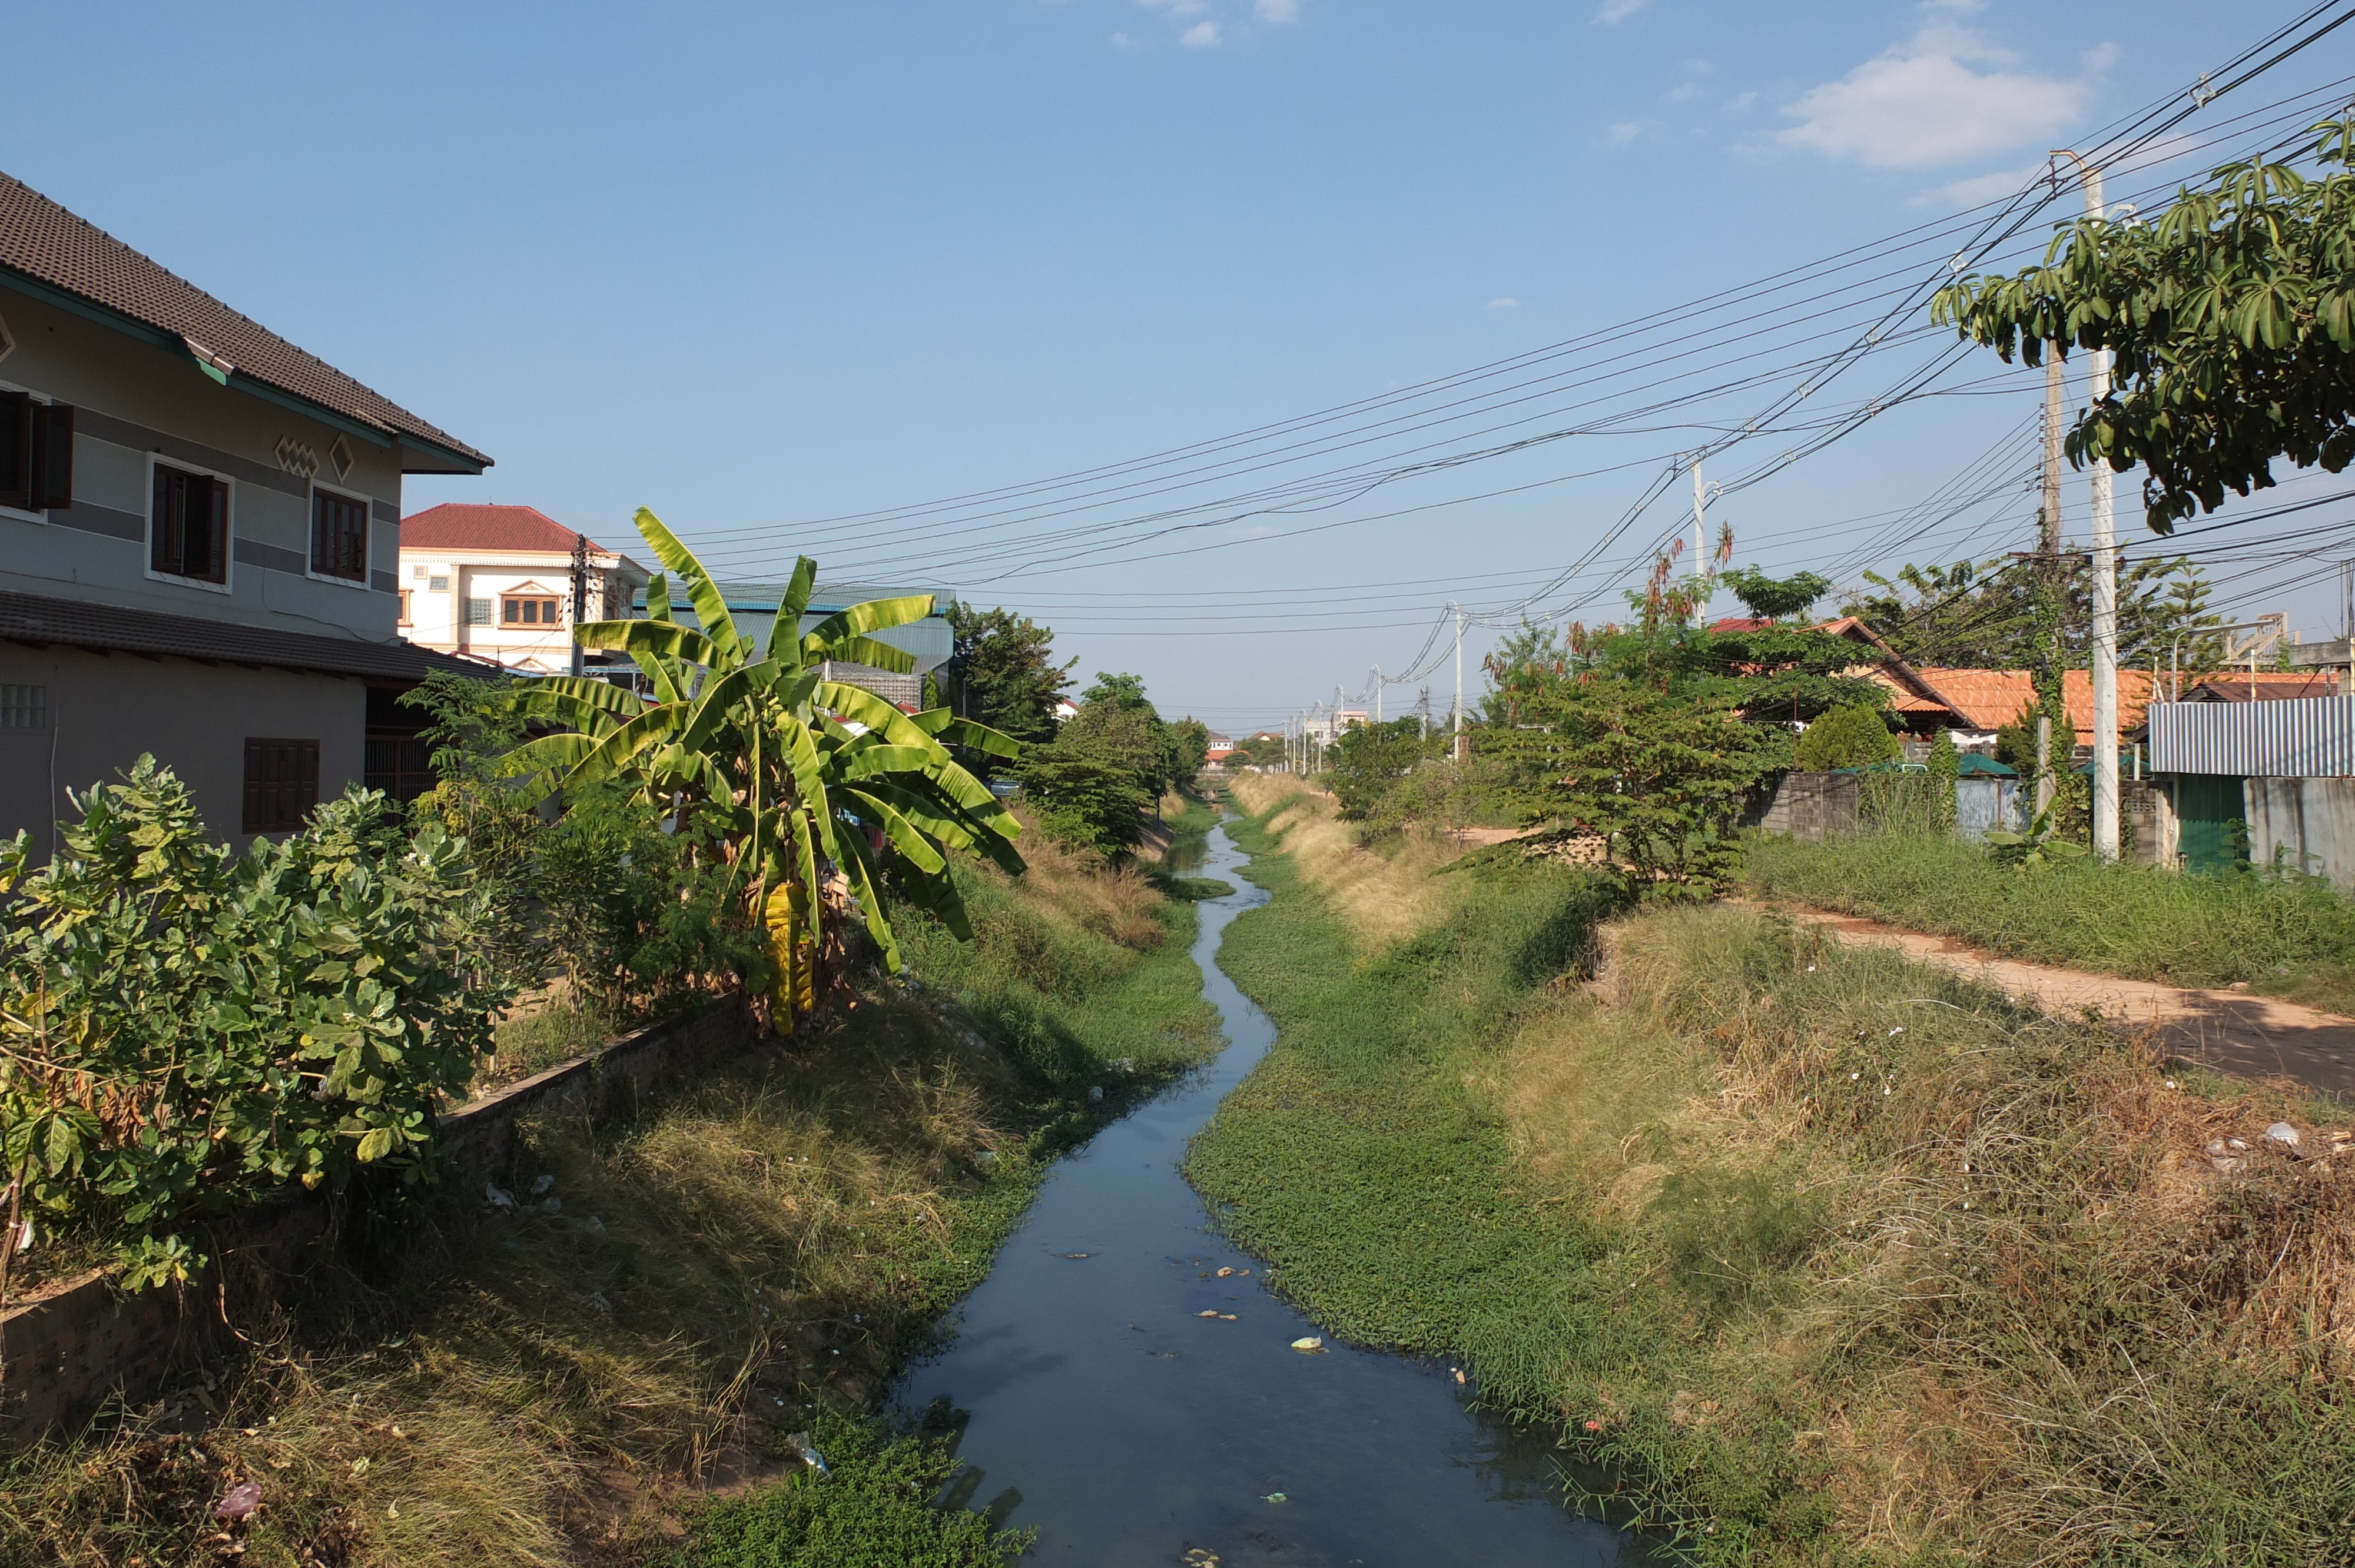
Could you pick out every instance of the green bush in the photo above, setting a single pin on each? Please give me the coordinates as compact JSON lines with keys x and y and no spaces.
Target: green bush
{"x":1847,"y":737}
{"x":186,"y":1030}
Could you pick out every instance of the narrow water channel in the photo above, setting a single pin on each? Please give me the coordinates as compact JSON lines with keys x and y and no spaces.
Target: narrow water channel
{"x":1101,"y":1408}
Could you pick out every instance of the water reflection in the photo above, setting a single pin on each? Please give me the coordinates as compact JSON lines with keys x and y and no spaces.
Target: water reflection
{"x":1133,"y":1405}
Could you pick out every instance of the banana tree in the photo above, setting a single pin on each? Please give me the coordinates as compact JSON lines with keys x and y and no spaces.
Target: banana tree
{"x":746,"y":732}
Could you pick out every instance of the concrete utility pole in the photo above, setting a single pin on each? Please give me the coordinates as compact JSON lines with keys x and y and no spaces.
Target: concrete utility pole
{"x":1378,"y":696}
{"x":580,"y":596}
{"x":1459,"y":680}
{"x":2105,"y":588}
{"x":1700,"y":504}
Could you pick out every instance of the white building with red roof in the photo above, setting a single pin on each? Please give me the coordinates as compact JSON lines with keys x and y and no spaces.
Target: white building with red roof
{"x":495,"y":582}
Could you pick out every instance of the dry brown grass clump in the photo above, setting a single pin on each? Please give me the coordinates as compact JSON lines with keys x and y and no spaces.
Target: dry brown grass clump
{"x":2005,"y":1284}
{"x":1383,"y":897}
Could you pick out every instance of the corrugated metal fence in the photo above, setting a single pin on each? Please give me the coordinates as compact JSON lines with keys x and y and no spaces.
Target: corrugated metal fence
{"x":2306,"y":737}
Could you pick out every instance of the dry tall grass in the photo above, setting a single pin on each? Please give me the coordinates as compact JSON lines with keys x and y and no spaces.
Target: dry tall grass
{"x":1383,"y":897}
{"x":1977,"y":1267}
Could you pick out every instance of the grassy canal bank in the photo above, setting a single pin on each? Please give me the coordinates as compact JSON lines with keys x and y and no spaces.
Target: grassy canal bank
{"x":1828,"y":1258}
{"x":614,"y":1379}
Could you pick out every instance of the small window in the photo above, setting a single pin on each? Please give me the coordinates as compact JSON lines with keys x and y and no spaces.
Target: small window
{"x":404,"y":607}
{"x":282,"y":784}
{"x":478,"y":613}
{"x":36,"y":453}
{"x":24,"y":707}
{"x":437,"y":584}
{"x":528,"y":609}
{"x":339,"y":536}
{"x":187,"y":532}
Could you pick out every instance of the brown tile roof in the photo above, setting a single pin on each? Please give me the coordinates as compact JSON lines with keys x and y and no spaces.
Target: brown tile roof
{"x":469,"y":525}
{"x":77,"y":623}
{"x":1990,"y":699}
{"x":43,"y":241}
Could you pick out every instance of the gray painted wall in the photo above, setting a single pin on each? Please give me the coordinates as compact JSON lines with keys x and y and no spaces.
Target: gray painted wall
{"x":133,"y":402}
{"x":104,"y":709}
{"x":2310,"y":821}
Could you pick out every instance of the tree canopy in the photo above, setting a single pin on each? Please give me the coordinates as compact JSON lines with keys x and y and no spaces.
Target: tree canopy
{"x":1003,"y":674}
{"x":2005,"y":614}
{"x":2232,"y":317}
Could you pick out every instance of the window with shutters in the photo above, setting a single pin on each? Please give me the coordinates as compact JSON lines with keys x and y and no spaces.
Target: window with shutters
{"x":528,"y":609}
{"x":36,"y":453}
{"x":282,"y":784}
{"x":339,"y":536}
{"x":189,"y":526}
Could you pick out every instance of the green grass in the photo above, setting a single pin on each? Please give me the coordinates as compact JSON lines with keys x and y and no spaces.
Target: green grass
{"x":2290,"y":935}
{"x":873,"y":1511}
{"x":752,"y":1253}
{"x":1823,"y":1258}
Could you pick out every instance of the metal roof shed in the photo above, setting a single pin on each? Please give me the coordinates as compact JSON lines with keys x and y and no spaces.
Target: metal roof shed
{"x":2283,"y":771}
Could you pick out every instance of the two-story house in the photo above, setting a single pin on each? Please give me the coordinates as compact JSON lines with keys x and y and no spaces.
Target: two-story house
{"x":497,"y":583}
{"x":199,"y":539}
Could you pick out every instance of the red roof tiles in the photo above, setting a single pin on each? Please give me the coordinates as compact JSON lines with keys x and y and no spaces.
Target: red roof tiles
{"x":467,"y":525}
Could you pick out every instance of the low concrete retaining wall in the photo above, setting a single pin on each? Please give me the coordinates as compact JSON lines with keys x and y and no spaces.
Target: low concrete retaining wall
{"x":1811,"y":806}
{"x":73,"y":1346}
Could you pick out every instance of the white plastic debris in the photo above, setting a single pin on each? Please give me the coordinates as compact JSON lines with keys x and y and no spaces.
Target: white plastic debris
{"x":799,"y":1442}
{"x":2281,"y":1132}
{"x":1311,"y":1345}
{"x":498,"y":1197}
{"x":1095,"y":1091}
{"x":541,"y":1183}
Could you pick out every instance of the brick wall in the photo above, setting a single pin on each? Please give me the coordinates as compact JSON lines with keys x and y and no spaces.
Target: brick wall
{"x":72,"y":1346}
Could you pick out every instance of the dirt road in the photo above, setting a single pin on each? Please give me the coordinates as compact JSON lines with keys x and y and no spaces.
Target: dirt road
{"x":2235,"y":1031}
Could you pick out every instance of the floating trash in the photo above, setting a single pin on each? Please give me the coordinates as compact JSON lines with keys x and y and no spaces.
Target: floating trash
{"x":240,"y":1502}
{"x":1309,"y":1346}
{"x":799,"y":1442}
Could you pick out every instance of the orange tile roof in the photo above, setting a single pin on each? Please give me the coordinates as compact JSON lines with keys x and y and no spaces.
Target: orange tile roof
{"x":1990,"y":699}
{"x":2265,"y":686}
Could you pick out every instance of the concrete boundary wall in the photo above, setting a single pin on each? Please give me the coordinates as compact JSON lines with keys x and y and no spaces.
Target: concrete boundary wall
{"x":77,"y":1343}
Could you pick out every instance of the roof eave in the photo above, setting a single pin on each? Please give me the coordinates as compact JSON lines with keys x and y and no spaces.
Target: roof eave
{"x":244,"y":381}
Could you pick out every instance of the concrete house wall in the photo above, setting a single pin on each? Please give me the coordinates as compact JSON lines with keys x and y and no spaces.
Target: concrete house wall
{"x":135,"y":404}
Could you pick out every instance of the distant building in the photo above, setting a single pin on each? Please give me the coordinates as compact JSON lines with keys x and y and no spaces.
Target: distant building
{"x":1219,"y":748}
{"x":495,"y":583}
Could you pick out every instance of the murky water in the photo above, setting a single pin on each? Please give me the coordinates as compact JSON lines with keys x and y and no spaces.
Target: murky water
{"x":1099,"y":1406}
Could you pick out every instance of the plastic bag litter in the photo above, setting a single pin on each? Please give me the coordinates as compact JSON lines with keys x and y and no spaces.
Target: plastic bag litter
{"x":541,"y":1183}
{"x":239,"y":1501}
{"x":2281,"y":1132}
{"x":498,"y":1197}
{"x":1310,"y":1346}
{"x":799,"y":1442}
{"x":1208,"y":1312}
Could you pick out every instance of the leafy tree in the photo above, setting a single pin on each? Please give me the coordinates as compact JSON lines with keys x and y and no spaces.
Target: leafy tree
{"x":1086,"y":793}
{"x":1372,"y":760}
{"x":1260,"y":751}
{"x":1946,"y":768}
{"x":183,"y":1031}
{"x":785,"y":770}
{"x":2006,"y":615}
{"x":1847,"y":737}
{"x":1003,"y":674}
{"x":1774,"y":599}
{"x":2232,"y":318}
{"x":1190,"y":740}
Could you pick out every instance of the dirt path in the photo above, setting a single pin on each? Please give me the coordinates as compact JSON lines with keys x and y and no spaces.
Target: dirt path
{"x":2254,"y":1037}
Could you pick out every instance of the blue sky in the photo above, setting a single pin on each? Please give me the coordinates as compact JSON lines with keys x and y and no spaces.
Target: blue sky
{"x":764,"y":267}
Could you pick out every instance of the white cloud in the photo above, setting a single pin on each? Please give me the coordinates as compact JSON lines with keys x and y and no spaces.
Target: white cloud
{"x":1621,"y":133}
{"x":1619,"y":10}
{"x":1922,"y":105}
{"x":1200,"y":36}
{"x":1507,"y":303}
{"x":1177,"y":7}
{"x":1978,"y":188}
{"x":1122,"y":41}
{"x":1742,"y":104}
{"x":1277,"y":10}
{"x":1683,"y":93}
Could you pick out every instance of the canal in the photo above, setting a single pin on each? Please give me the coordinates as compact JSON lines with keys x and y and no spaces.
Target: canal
{"x":1125,"y":1384}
